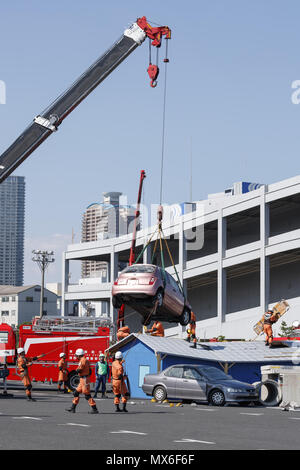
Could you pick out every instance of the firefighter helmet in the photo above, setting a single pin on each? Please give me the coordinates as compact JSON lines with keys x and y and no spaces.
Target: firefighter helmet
{"x":62,"y":354}
{"x":79,"y":352}
{"x":119,"y":355}
{"x":21,"y":350}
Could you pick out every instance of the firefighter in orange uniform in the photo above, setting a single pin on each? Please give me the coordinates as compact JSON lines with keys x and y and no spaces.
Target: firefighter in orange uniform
{"x":62,"y":374}
{"x":268,"y":319}
{"x":118,"y":382}
{"x":123,"y":332}
{"x":84,"y":372}
{"x":156,"y":330}
{"x":192,"y":330}
{"x":23,"y":363}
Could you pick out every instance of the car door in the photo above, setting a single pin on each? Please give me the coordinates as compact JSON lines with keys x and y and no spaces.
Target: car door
{"x":192,"y":386}
{"x":170,"y":379}
{"x":169,"y":300}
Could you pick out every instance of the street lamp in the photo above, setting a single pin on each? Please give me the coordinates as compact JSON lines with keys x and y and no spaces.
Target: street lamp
{"x":43,"y":259}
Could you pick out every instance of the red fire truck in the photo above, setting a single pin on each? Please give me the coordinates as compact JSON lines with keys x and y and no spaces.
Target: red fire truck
{"x":51,"y":336}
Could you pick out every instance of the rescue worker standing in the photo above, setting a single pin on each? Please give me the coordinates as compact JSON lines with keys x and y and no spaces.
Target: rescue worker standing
{"x":192,"y":330}
{"x":268,"y":319}
{"x":156,"y":330}
{"x":101,"y":372}
{"x":118,"y":382}
{"x":62,"y":374}
{"x":23,"y":363}
{"x":84,"y":372}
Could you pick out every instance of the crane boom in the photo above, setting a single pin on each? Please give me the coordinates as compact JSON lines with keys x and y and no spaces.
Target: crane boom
{"x":49,"y":120}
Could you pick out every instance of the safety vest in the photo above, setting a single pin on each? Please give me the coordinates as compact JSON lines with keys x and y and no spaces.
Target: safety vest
{"x":102,"y":368}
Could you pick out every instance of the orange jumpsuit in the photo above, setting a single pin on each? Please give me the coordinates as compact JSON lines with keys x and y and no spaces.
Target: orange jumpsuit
{"x":118,"y":383}
{"x":157,"y":329}
{"x":84,"y":387}
{"x":22,"y":366}
{"x":268,"y":321}
{"x":123,"y":332}
{"x":63,"y":373}
{"x":192,"y":333}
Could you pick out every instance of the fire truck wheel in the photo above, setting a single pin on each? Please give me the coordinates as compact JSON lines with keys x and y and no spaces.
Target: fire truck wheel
{"x":73,"y":381}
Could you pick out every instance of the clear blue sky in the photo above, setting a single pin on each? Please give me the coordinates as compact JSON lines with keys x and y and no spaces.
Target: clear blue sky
{"x":231,"y":67}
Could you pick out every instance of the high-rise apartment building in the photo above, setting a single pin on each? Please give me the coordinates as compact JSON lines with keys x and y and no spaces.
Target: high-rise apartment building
{"x":107,"y":219}
{"x":12,"y":222}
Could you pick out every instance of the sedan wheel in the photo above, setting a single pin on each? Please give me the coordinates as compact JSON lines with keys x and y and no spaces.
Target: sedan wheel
{"x":185,"y":317}
{"x":159,"y":296}
{"x":160,"y":394}
{"x":217,"y":398}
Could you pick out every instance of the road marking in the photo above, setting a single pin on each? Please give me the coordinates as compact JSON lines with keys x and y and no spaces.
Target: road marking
{"x":27,"y":417}
{"x":194,"y":440}
{"x":75,"y":424}
{"x":129,"y":432}
{"x":204,"y":409}
{"x":294,"y":418}
{"x":252,"y":414}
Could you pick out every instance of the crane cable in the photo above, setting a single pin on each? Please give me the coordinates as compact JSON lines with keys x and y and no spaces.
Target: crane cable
{"x":163,"y":126}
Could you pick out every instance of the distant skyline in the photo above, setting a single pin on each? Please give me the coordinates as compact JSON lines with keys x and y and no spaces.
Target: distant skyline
{"x":231,"y":102}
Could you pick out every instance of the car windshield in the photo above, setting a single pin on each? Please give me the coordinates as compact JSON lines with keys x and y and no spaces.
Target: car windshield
{"x":139,"y":268}
{"x":213,"y":373}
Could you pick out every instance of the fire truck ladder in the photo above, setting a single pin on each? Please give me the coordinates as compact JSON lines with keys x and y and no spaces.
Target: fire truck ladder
{"x":69,"y":324}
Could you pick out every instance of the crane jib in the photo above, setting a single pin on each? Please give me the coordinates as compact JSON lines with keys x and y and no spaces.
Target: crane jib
{"x":38,"y":131}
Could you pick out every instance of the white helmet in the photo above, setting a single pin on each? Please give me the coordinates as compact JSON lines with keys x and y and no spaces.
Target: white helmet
{"x":62,"y":354}
{"x":79,"y":352}
{"x":21,"y":350}
{"x":118,"y":355}
{"x":296,"y":324}
{"x":101,"y":355}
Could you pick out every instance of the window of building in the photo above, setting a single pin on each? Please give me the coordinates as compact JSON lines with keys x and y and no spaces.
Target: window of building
{"x":29,"y":299}
{"x":5,"y":299}
{"x":4,"y":313}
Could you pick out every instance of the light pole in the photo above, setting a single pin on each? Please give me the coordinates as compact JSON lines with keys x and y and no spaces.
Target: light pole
{"x":43,"y":259}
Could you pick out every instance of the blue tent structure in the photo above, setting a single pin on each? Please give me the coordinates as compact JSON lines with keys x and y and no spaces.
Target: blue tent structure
{"x":144,"y":354}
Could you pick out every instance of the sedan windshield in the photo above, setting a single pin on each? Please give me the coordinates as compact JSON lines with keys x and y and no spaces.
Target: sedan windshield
{"x":139,"y":268}
{"x":212,"y":373}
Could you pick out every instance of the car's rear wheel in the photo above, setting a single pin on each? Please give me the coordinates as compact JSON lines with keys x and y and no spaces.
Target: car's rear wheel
{"x":217,"y":398}
{"x":159,"y":393}
{"x":185,"y":317}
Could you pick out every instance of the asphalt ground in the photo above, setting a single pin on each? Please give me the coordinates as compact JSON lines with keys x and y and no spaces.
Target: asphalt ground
{"x":45,"y":425}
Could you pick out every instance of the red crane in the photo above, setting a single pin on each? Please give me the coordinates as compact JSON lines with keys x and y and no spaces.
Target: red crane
{"x":121,"y":312}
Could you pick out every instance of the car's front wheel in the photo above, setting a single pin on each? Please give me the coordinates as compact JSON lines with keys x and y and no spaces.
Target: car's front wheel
{"x":217,"y":398}
{"x":159,"y":393}
{"x":185,"y":317}
{"x":159,"y":298}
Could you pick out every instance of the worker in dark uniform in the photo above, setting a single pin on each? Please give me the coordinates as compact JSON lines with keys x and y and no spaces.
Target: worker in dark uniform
{"x":192,"y":330}
{"x":156,"y":330}
{"x":268,"y":320}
